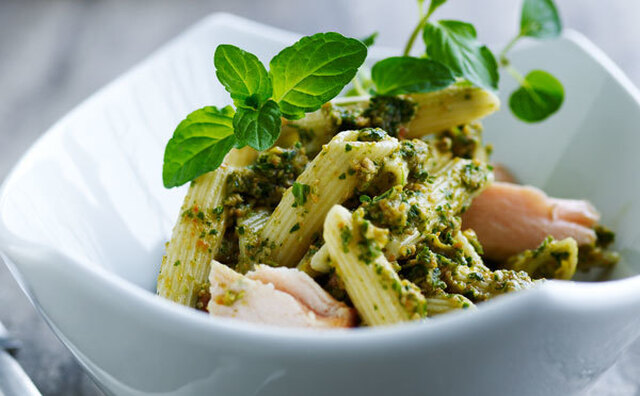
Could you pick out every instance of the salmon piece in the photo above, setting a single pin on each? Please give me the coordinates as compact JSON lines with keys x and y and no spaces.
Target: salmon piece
{"x":502,"y":174}
{"x":509,"y":219}
{"x":237,"y":296}
{"x":307,"y":291}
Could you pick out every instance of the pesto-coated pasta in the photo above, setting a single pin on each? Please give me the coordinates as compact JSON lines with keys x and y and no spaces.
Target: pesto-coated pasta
{"x":552,"y":259}
{"x":375,"y":289}
{"x":388,"y":208}
{"x":195,"y":239}
{"x":331,"y":178}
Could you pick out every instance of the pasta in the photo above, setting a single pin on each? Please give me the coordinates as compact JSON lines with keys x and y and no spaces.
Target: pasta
{"x":427,"y":113}
{"x":375,"y":288}
{"x":195,"y":240}
{"x":332,"y":178}
{"x":361,"y":206}
{"x":552,"y":259}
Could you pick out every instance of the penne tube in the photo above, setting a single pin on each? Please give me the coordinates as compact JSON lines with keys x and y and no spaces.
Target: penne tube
{"x":444,"y":303}
{"x":434,"y":112}
{"x":371,"y":282}
{"x":448,"y":108}
{"x":331,"y":178}
{"x":553,"y":259}
{"x":195,"y":239}
{"x":249,"y":230}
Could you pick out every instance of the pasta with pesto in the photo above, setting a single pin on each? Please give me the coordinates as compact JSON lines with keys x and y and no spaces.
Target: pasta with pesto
{"x":372,"y":211}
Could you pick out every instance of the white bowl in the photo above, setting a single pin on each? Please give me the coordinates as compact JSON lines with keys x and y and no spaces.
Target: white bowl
{"x":84,"y":218}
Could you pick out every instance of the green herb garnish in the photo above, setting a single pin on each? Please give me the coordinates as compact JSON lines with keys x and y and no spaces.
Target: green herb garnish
{"x":301,"y":79}
{"x":300,"y":192}
{"x":540,"y":94}
{"x":199,"y":144}
{"x":370,"y":39}
{"x":313,"y":71}
{"x":406,"y":74}
{"x":455,"y":45}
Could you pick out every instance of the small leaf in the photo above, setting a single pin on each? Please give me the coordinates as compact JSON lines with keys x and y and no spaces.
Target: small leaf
{"x":199,"y":144}
{"x":454,"y":44}
{"x":434,"y":5}
{"x":540,"y":19}
{"x":406,"y":74}
{"x":313,"y":71}
{"x":540,"y":97}
{"x":243,"y":76}
{"x":370,"y":39}
{"x":258,"y":128}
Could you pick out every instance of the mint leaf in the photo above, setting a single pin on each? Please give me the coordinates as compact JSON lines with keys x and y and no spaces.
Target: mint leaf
{"x":313,"y":71}
{"x":540,"y":96}
{"x":243,"y":76}
{"x":405,"y":74}
{"x":454,"y":44}
{"x":258,"y":128}
{"x":370,"y":39}
{"x":540,"y":19}
{"x":434,"y":5}
{"x":199,"y":144}
{"x":300,"y":192}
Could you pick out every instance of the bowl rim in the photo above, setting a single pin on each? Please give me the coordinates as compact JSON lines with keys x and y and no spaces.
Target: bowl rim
{"x":565,"y":295}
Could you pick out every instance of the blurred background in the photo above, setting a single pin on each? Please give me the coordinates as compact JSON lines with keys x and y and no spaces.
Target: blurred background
{"x":55,"y":53}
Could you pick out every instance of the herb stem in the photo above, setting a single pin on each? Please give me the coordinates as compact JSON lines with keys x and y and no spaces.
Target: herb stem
{"x":516,"y":75}
{"x":416,"y":31}
{"x":357,"y":85}
{"x":524,"y":84}
{"x":504,"y":61}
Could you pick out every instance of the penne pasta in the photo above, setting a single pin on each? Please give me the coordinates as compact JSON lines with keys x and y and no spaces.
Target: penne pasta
{"x":448,"y":108}
{"x":552,"y":259}
{"x":439,"y":202}
{"x":195,"y":239}
{"x":373,"y":285}
{"x":249,"y":229}
{"x":331,"y":178}
{"x":472,"y":278}
{"x":367,"y":196}
{"x":432,"y":112}
{"x":442,"y":303}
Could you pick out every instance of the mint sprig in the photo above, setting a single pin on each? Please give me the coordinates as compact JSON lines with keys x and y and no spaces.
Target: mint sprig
{"x":540,"y":19}
{"x":243,"y":76}
{"x":302,"y":78}
{"x":313,"y":71}
{"x":455,"y":44}
{"x":258,"y":128}
{"x":370,"y":40}
{"x":199,"y":145}
{"x":540,"y":94}
{"x":405,"y":74}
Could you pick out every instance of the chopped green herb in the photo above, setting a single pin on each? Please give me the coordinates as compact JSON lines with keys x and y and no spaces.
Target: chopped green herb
{"x":345,"y":236}
{"x":300,"y":192}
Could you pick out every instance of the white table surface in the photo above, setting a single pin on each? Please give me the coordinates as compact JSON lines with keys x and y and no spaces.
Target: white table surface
{"x":55,"y":53}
